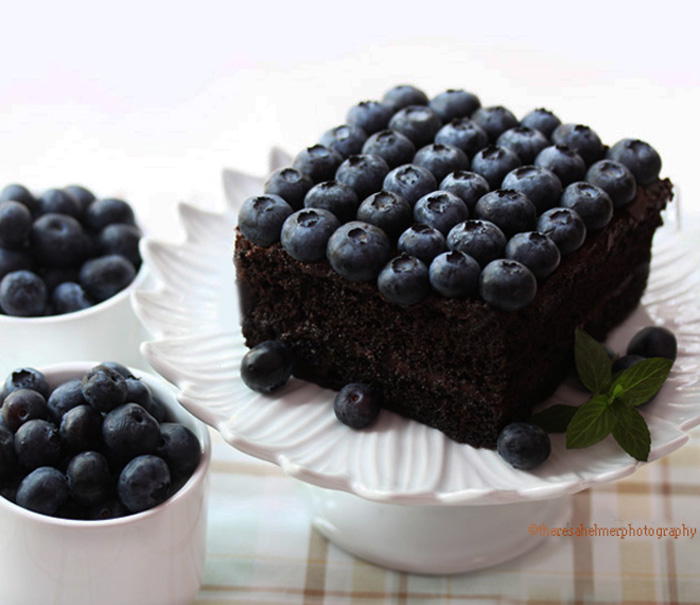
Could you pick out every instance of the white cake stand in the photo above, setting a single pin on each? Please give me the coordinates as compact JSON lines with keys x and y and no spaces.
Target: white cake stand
{"x":399,"y":494}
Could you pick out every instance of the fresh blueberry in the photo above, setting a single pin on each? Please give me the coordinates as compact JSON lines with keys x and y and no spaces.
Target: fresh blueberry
{"x":507,"y":285}
{"x":69,"y":297}
{"x":395,"y":148}
{"x":23,"y":294}
{"x":441,"y":159}
{"x":137,"y":391}
{"x":511,"y":210}
{"x":119,"y":368}
{"x":108,"y":211}
{"x":625,"y":362}
{"x":482,"y":240}
{"x":19,"y":193}
{"x":305,"y":233}
{"x":357,"y":405}
{"x":357,"y":251}
{"x":364,"y":173}
{"x":318,"y":162}
{"x":641,"y":158}
{"x":121,"y":239}
{"x":104,"y":276}
{"x":453,"y":104}
{"x":534,"y":250}
{"x":180,"y":448}
{"x":129,"y":431}
{"x":404,"y":95}
{"x":336,"y":197}
{"x":290,"y":184}
{"x":523,"y":445}
{"x":563,"y":161}
{"x":417,"y":122}
{"x":261,"y":217}
{"x":494,"y":120}
{"x":37,"y":443}
{"x":525,"y":142}
{"x":22,"y":405}
{"x":493,"y":163}
{"x":112,"y":508}
{"x":88,"y":478}
{"x":541,"y":119}
{"x":541,"y":186}
{"x":65,"y":397}
{"x":15,"y":260}
{"x":440,"y":209}
{"x":654,"y":341}
{"x":144,"y":483}
{"x":58,"y":201}
{"x":404,"y":280}
{"x":43,"y":490}
{"x":267,"y":366}
{"x":591,"y":203}
{"x":615,"y":179}
{"x":422,"y":241}
{"x":8,"y":457}
{"x":26,"y":378}
{"x":564,"y":227}
{"x":346,"y":139}
{"x":15,"y":224}
{"x":81,"y":428}
{"x":58,"y":240}
{"x":388,"y":211}
{"x":455,"y":274}
{"x":411,"y":182}
{"x":104,"y":388}
{"x":81,"y":194}
{"x":370,"y":116}
{"x":463,"y":133}
{"x":582,"y":139}
{"x":469,"y":186}
{"x":54,"y":277}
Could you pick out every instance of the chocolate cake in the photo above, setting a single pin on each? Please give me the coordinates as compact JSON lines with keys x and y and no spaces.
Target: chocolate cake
{"x":461,"y":365}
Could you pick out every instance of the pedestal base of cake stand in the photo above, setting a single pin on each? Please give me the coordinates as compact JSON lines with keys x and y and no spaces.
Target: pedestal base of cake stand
{"x":432,"y":539}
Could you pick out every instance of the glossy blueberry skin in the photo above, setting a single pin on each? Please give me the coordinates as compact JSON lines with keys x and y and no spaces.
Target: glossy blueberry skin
{"x":591,"y":203}
{"x":57,"y":201}
{"x":468,"y":186}
{"x":108,"y":211}
{"x":641,"y":158}
{"x":523,"y":445}
{"x":541,"y":119}
{"x":305,"y":233}
{"x":88,"y":478}
{"x":69,"y":297}
{"x":37,"y":443}
{"x":65,"y":397}
{"x":19,"y":193}
{"x":493,"y":163}
{"x":81,"y":428}
{"x":411,"y":182}
{"x":15,"y":260}
{"x":267,"y":366}
{"x":357,"y":251}
{"x":582,"y":139}
{"x":370,"y":116}
{"x":357,"y":405}
{"x":440,"y":209}
{"x":23,"y":405}
{"x":81,"y":194}
{"x":43,"y":490}
{"x":494,"y":120}
{"x":404,"y":280}
{"x":129,"y":431}
{"x":441,"y":159}
{"x":615,"y":179}
{"x":144,"y":483}
{"x":563,"y":161}
{"x":137,"y":391}
{"x":8,"y":457}
{"x":318,"y":162}
{"x":23,"y":294}
{"x":654,"y":341}
{"x":463,"y":133}
{"x":564,"y":227}
{"x":388,"y":211}
{"x":455,"y":274}
{"x":510,"y":210}
{"x":482,"y":240}
{"x":121,"y":239}
{"x":58,"y":240}
{"x":15,"y":224}
{"x":336,"y":197}
{"x":454,"y":103}
{"x":422,"y":241}
{"x":120,"y":369}
{"x":417,"y":122}
{"x":290,"y":184}
{"x":180,"y":448}
{"x":402,"y":96}
{"x":536,"y":251}
{"x":26,"y":378}
{"x":364,"y":173}
{"x":542,"y":187}
{"x":105,"y":276}
{"x":625,"y":362}
{"x":507,"y":285}
{"x":393,"y":147}
{"x":525,"y":142}
{"x":261,"y":217}
{"x":104,"y":388}
{"x":346,"y":139}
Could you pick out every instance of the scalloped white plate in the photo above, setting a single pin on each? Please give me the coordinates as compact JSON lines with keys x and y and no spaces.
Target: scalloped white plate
{"x":197,"y":345}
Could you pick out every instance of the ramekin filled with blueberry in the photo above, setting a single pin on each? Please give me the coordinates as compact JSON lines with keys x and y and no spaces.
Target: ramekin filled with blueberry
{"x":103,"y":487}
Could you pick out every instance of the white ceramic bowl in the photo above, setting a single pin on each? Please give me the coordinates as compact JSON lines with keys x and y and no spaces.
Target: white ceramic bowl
{"x":155,"y":557}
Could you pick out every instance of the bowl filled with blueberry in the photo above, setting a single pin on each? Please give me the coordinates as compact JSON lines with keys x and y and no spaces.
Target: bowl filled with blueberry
{"x":68,"y":263}
{"x":103,"y":487}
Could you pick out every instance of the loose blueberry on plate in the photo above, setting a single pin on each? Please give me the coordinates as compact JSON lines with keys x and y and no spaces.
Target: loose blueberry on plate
{"x":455,"y":274}
{"x":393,"y":147}
{"x":418,"y":123}
{"x":654,"y":341}
{"x":493,"y":163}
{"x":463,"y":133}
{"x":541,"y":119}
{"x":357,"y":251}
{"x":357,"y":405}
{"x":507,"y":285}
{"x":267,"y":366}
{"x":411,"y":182}
{"x":641,"y":158}
{"x":541,"y":186}
{"x":305,"y":233}
{"x":336,"y":197}
{"x":404,"y":280}
{"x":482,"y":240}
{"x":564,"y":227}
{"x":290,"y":184}
{"x":364,"y":173}
{"x":467,"y":185}
{"x":454,"y":103}
{"x":523,"y":445}
{"x":625,"y":362}
{"x":440,"y":209}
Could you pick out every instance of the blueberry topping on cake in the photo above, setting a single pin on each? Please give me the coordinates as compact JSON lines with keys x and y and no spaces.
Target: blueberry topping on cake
{"x":463,"y":133}
{"x":591,"y":203}
{"x":493,"y":163}
{"x":411,"y":182}
{"x":423,"y":241}
{"x":357,"y":251}
{"x":510,"y":210}
{"x":261,"y":217}
{"x":336,"y":197}
{"x":369,"y":116}
{"x":346,"y":139}
{"x":525,"y":142}
{"x":564,"y":227}
{"x":454,"y":103}
{"x":467,"y":185}
{"x":417,"y":122}
{"x":541,"y":186}
{"x":404,"y":95}
{"x":615,"y":179}
{"x":563,"y":161}
{"x":536,"y":251}
{"x":541,"y":119}
{"x":290,"y":184}
{"x":318,"y":162}
{"x":441,"y":159}
{"x":393,"y":147}
{"x":404,"y":280}
{"x":305,"y":234}
{"x":494,"y":120}
{"x":455,"y":274}
{"x":440,"y":209}
{"x":507,"y":285}
{"x":388,"y":211}
{"x":641,"y":158}
{"x":364,"y":173}
{"x":582,"y":139}
{"x":480,"y":239}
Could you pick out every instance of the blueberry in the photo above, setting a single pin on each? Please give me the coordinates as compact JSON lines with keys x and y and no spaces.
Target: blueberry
{"x":541,"y":119}
{"x":511,"y":210}
{"x":105,"y":276}
{"x":463,"y":133}
{"x":494,"y":120}
{"x":482,"y":240}
{"x":364,"y":173}
{"x":411,"y":182}
{"x":26,"y":378}
{"x":144,"y":483}
{"x":357,"y":405}
{"x":542,"y":187}
{"x":88,"y":478}
{"x":137,"y":391}
{"x":261,"y":217}
{"x":370,"y":116}
{"x":441,"y":160}
{"x":58,"y":240}
{"x":654,"y":341}
{"x":8,"y":457}
{"x":453,"y":104}
{"x":641,"y":158}
{"x":15,"y":224}
{"x":346,"y":139}
{"x":290,"y":184}
{"x":591,"y":203}
{"x":81,"y":194}
{"x":393,"y":147}
{"x":81,"y":428}
{"x":305,"y":233}
{"x":58,"y":201}
{"x":564,"y":227}
{"x":357,"y":251}
{"x":625,"y":362}
{"x":37,"y":443}
{"x":455,"y":274}
{"x":180,"y":448}
{"x":404,"y":280}
{"x":112,"y":508}
{"x":23,"y":294}
{"x":129,"y":431}
{"x":121,"y":239}
{"x":440,"y":209}
{"x":507,"y":285}
{"x":69,"y":297}
{"x":22,"y":405}
{"x":615,"y":179}
{"x":534,"y":250}
{"x":65,"y":397}
{"x":493,"y":163}
{"x":104,"y":388}
{"x":525,"y":142}
{"x":523,"y":445}
{"x":334,"y":196}
{"x":388,"y":211}
{"x":417,"y":122}
{"x":15,"y":260}
{"x":43,"y":490}
{"x":119,"y":368}
{"x":318,"y":162}
{"x":404,"y":95}
{"x":19,"y":193}
{"x":422,"y":241}
{"x":582,"y":139}
{"x":563,"y":161}
{"x":267,"y":366}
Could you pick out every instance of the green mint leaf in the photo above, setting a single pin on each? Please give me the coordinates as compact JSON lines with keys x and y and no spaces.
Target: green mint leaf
{"x":554,"y":419}
{"x":631,"y":431}
{"x":592,"y":363}
{"x":643,"y":380}
{"x":591,"y":423}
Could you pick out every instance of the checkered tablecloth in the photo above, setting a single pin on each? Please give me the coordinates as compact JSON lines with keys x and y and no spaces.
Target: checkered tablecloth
{"x":262,"y":548}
